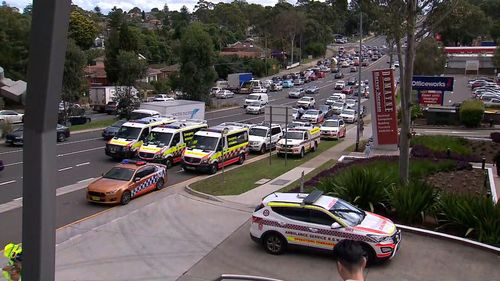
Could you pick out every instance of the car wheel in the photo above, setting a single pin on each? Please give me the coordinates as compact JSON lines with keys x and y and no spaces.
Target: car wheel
{"x":213,"y":169}
{"x":61,"y":137}
{"x":126,"y":197}
{"x":241,"y":159}
{"x":263,"y":149}
{"x":159,"y":184}
{"x":302,"y":153}
{"x":274,"y":243}
{"x":169,"y":163}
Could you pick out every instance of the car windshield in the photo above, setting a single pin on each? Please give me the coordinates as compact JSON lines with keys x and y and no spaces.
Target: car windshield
{"x":129,"y":133}
{"x":311,"y":112}
{"x":118,"y":123}
{"x":253,"y":97}
{"x":204,"y":142}
{"x":338,"y":104}
{"x":348,"y":111}
{"x":305,"y":99}
{"x":254,"y":103}
{"x":259,"y":132}
{"x":294,"y":135}
{"x":159,"y":138}
{"x":331,"y":123}
{"x":350,"y":214}
{"x":119,"y":173}
{"x":350,"y":102}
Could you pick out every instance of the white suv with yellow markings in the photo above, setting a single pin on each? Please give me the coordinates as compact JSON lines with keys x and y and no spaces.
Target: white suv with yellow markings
{"x":298,"y":141}
{"x":319,"y":221}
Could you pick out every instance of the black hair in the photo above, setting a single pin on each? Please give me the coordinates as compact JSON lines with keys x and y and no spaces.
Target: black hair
{"x":349,"y":253}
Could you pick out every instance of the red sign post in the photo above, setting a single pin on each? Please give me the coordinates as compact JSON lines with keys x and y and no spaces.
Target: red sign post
{"x":385,"y":107}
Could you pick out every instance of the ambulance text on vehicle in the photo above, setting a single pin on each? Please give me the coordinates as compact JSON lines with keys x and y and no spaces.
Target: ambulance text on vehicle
{"x":215,"y":147}
{"x":166,"y":143}
{"x":131,"y":136}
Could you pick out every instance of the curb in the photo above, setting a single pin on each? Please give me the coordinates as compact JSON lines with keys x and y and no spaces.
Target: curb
{"x":444,"y":236}
{"x":191,"y":191}
{"x":452,"y":128}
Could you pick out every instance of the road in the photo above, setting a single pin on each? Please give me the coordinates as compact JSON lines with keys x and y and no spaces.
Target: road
{"x":82,"y":158}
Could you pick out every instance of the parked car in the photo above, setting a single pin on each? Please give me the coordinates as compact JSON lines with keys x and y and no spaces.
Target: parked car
{"x":353,"y":69}
{"x":162,"y":98}
{"x":288,"y":84}
{"x":349,"y":115}
{"x":275,"y":87}
{"x":297,"y":93}
{"x":298,"y":82}
{"x":11,"y":116}
{"x":492,"y":102}
{"x":333,"y":129}
{"x":313,"y":116}
{"x":255,"y":107}
{"x":224,"y":94}
{"x":348,"y":90}
{"x":365,"y":62}
{"x":351,"y":103}
{"x":339,"y":85}
{"x":16,"y":136}
{"x":352,"y":81}
{"x":259,"y":89}
{"x":262,"y":98}
{"x":306,"y":102}
{"x":312,"y":90}
{"x":110,"y":131}
{"x":111,"y":107}
{"x":326,"y":110}
{"x":339,"y":75}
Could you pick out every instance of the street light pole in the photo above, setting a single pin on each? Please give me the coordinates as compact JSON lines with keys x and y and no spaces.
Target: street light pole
{"x":358,"y":128}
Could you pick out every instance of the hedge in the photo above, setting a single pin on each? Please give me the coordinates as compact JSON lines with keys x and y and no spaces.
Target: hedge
{"x":471,"y":113}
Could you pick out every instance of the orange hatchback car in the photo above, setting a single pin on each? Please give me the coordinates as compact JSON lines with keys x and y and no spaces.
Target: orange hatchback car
{"x":127,"y":180}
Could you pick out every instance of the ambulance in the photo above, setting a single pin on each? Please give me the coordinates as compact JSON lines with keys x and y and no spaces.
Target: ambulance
{"x":217,"y":147}
{"x":131,"y":136}
{"x":166,"y":143}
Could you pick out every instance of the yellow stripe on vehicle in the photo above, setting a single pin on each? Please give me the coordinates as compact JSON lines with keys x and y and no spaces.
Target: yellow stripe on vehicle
{"x":195,"y":153}
{"x":119,"y":142}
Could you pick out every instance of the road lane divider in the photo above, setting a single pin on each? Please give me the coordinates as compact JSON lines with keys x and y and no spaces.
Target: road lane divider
{"x":80,"y":151}
{"x":7,"y":182}
{"x":86,"y":180}
{"x":65,"y":169}
{"x":12,"y":151}
{"x":82,"y":164}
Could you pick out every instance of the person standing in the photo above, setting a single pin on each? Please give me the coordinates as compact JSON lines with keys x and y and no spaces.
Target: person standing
{"x":350,"y":260}
{"x":12,"y":271}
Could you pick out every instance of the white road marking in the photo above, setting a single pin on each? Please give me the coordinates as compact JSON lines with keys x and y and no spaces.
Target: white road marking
{"x":12,"y":151}
{"x":65,"y":169}
{"x":80,"y":151}
{"x":82,"y":164}
{"x":12,"y":164}
{"x":85,"y":180}
{"x":79,"y":141}
{"x":7,"y":182}
{"x":226,"y":116}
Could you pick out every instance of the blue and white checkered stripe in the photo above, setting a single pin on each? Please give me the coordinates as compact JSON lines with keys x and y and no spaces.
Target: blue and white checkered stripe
{"x":147,"y":183}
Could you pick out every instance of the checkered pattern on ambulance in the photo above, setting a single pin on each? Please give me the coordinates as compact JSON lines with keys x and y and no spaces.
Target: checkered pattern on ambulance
{"x":232,"y":152}
{"x":148,"y":183}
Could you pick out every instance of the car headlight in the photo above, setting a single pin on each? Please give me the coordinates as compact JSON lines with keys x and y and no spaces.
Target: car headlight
{"x":380,"y":238}
{"x":126,"y":148}
{"x":112,"y":192}
{"x":204,"y":160}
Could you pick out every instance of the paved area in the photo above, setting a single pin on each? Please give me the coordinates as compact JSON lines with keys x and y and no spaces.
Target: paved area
{"x":420,"y":259}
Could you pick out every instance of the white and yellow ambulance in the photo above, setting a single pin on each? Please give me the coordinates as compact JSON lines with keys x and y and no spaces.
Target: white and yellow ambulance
{"x":166,"y":143}
{"x":131,"y":135}
{"x":217,"y":147}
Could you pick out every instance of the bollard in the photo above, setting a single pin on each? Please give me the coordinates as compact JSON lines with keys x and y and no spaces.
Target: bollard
{"x":302,"y":182}
{"x":448,"y":152}
{"x":483,"y":163}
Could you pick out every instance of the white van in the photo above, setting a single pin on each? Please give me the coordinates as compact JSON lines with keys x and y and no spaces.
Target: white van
{"x":262,"y":98}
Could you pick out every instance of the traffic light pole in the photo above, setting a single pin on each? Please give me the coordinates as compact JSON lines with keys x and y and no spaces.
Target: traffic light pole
{"x":358,"y":127}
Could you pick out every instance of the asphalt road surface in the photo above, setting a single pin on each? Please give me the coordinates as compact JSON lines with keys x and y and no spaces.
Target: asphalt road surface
{"x":81,"y":158}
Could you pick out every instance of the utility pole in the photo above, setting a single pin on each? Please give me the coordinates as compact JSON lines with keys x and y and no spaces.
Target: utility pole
{"x":358,"y":128}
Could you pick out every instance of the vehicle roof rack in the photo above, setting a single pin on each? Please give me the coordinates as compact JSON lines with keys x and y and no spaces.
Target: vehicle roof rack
{"x":312,"y":197}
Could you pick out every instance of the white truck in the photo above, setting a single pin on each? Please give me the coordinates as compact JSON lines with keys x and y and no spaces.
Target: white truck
{"x":298,"y":141}
{"x":100,"y":95}
{"x":178,"y":109}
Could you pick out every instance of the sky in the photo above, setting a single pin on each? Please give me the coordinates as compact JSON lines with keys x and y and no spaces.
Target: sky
{"x":127,"y":5}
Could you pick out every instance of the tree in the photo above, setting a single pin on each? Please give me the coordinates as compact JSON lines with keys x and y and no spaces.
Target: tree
{"x":130,"y":68}
{"x":14,"y":42}
{"x":197,"y":59}
{"x":74,"y":82}
{"x":82,"y":29}
{"x":429,"y":58}
{"x":27,"y":10}
{"x":289,"y":24}
{"x":97,"y":10}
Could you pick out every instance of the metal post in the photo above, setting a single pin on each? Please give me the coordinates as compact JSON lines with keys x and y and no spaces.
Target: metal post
{"x":270,"y":133}
{"x":359,"y":72}
{"x":286,"y":135}
{"x":48,"y":38}
{"x":223,"y":149}
{"x":302,"y":182}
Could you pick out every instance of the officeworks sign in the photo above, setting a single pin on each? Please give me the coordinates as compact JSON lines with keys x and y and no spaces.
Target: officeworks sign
{"x":432,"y":83}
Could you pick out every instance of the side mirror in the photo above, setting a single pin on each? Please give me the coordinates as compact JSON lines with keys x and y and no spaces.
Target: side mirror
{"x":136,"y":179}
{"x":336,"y":225}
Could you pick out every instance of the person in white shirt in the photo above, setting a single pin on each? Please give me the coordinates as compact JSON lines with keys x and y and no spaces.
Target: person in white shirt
{"x":350,"y":260}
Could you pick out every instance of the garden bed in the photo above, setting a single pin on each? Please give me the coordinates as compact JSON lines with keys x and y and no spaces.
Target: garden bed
{"x":462,"y":182}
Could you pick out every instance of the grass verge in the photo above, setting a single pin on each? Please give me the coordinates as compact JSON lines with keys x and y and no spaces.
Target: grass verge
{"x":442,"y":143}
{"x":240,"y":180}
{"x":296,"y":184}
{"x":93,"y":125}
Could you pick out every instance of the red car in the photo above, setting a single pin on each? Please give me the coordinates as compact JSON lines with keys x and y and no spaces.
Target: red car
{"x":347,"y":90}
{"x":313,"y":77}
{"x":320,"y":74}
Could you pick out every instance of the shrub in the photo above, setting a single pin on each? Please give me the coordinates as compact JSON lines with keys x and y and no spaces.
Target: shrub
{"x":6,"y":127}
{"x":495,"y":137}
{"x":421,"y":151}
{"x":471,"y":113}
{"x":411,"y":202}
{"x":315,"y":49}
{"x":366,"y":188}
{"x":471,"y":214}
{"x":442,"y":143}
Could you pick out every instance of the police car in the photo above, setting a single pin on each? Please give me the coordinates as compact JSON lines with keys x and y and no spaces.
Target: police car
{"x":319,"y":221}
